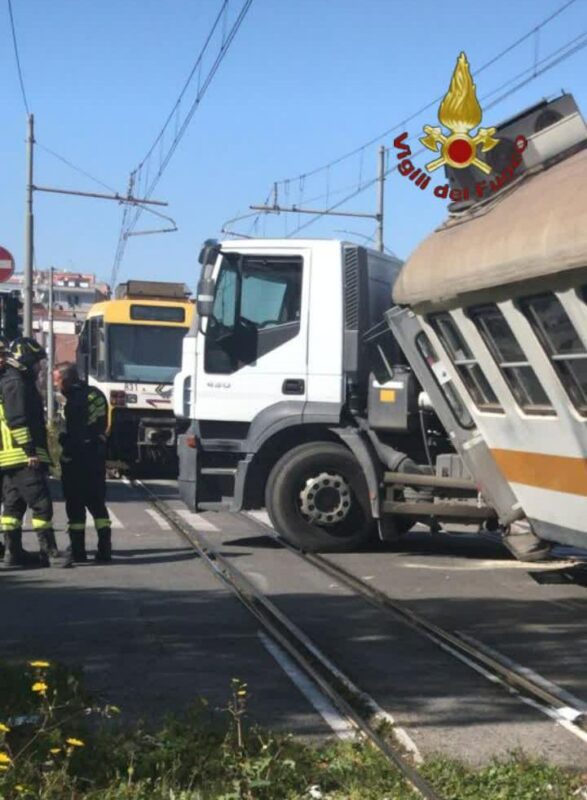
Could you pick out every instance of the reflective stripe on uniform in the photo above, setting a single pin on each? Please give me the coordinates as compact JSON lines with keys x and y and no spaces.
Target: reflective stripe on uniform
{"x":102,"y":523}
{"x":12,"y":453}
{"x":43,"y":455}
{"x":41,"y":524}
{"x":76,"y":526}
{"x":10,"y":523}
{"x":21,"y":435}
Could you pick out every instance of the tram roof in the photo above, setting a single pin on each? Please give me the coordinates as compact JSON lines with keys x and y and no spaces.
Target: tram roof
{"x":536,"y":230}
{"x":120,"y":311}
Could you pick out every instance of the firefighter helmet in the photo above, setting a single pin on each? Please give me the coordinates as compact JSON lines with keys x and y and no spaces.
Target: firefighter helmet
{"x":25,"y":352}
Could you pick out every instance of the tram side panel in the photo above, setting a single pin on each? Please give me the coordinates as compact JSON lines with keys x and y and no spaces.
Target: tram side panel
{"x":532,"y":408}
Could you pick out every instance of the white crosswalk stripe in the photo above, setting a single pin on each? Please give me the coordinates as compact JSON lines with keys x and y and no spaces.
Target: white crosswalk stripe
{"x":261,"y":516}
{"x":114,"y":521}
{"x":197,"y":521}
{"x":161,"y":521}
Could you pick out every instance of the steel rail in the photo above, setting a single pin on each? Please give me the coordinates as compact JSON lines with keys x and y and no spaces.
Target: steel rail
{"x":332,"y":682}
{"x":499,"y":671}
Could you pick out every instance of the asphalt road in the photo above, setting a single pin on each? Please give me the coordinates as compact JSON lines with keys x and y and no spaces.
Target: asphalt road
{"x":155,"y":629}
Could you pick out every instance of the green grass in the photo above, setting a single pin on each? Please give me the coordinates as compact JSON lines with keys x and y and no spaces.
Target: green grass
{"x":206,"y":756}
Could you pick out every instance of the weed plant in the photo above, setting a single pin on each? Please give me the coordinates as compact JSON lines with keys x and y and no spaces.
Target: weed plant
{"x":57,"y":743}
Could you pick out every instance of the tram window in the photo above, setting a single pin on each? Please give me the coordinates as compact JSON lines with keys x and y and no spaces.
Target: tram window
{"x":144,"y":353}
{"x":93,"y":345}
{"x":443,"y":381}
{"x":97,"y":347}
{"x":101,"y":364}
{"x":511,"y":360}
{"x":560,"y":340}
{"x":461,"y":356}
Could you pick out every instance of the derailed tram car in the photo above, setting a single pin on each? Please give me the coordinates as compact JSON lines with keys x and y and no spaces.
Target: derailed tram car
{"x":130,"y":348}
{"x":495,"y":304}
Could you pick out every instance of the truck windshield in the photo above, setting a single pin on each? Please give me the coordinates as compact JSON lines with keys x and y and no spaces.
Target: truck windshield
{"x":144,"y":353}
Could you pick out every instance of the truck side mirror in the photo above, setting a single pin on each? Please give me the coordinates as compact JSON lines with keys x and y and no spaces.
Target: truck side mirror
{"x":209,"y":252}
{"x":205,"y":297}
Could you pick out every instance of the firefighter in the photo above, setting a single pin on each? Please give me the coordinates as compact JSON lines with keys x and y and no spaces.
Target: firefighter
{"x":24,"y":457}
{"x":83,"y":461}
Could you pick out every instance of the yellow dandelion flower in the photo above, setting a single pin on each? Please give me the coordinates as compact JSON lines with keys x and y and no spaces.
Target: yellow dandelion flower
{"x":3,"y":767}
{"x":40,"y":687}
{"x":75,"y":742}
{"x":5,"y":758}
{"x":4,"y":728}
{"x":39,"y":664}
{"x":20,"y":788}
{"x":55,"y":750}
{"x":242,"y":692}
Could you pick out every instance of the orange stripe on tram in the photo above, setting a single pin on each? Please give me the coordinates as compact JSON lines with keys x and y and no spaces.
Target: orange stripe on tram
{"x":558,"y":473}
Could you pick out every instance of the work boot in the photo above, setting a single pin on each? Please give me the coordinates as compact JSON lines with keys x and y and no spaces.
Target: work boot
{"x":50,"y":555}
{"x":77,"y":546}
{"x":104,"y":552}
{"x":15,"y":556}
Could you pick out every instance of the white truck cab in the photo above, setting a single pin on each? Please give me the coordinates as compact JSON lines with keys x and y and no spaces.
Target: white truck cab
{"x":300,"y":399}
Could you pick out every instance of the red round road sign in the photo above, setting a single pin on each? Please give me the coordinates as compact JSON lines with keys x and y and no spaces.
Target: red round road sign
{"x":6,"y":264}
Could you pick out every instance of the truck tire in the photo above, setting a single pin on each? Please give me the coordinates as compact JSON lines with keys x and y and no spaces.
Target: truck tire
{"x":317,"y":499}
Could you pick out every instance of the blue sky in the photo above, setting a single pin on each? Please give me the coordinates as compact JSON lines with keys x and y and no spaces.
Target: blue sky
{"x":304,"y":82}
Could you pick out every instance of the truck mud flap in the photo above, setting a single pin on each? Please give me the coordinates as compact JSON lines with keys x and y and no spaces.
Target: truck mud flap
{"x":188,"y":468}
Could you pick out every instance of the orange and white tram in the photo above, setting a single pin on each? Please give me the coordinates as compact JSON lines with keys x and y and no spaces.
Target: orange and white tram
{"x":500,"y":291}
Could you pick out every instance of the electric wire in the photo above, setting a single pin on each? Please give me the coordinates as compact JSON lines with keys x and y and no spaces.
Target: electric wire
{"x":76,"y":168}
{"x":17,"y":57}
{"x":533,"y":31}
{"x":535,"y":73}
{"x":129,"y":222}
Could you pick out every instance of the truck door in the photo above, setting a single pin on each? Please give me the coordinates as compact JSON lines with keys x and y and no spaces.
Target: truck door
{"x":253,"y":353}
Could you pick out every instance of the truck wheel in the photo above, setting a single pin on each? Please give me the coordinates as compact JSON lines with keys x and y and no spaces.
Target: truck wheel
{"x":317,"y":499}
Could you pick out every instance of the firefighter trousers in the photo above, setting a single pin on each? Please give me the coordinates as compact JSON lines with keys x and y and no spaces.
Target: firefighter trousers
{"x":84,"y":487}
{"x":26,"y":487}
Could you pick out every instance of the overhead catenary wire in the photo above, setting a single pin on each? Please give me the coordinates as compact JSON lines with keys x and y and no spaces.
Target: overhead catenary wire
{"x":17,"y":58}
{"x":166,"y":152}
{"x":548,"y":62}
{"x":376,"y":139}
{"x":75,"y":167}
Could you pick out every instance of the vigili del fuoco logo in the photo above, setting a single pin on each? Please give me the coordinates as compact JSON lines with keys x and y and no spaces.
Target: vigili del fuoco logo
{"x":460,"y":113}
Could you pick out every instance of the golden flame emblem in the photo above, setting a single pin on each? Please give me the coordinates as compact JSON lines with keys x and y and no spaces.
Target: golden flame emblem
{"x":460,"y":112}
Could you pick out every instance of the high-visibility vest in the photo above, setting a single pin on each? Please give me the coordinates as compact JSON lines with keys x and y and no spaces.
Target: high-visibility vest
{"x":12,"y":455}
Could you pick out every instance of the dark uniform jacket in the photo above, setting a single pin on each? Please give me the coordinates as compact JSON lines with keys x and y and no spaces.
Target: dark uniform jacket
{"x":86,"y":422}
{"x":22,"y":428}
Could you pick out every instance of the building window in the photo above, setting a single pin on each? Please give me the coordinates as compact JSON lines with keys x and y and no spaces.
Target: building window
{"x":466,"y":365}
{"x":443,"y":381}
{"x":562,"y":344}
{"x":511,"y":360}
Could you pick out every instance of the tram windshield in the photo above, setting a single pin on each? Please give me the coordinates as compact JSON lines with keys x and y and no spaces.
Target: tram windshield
{"x":144,"y":353}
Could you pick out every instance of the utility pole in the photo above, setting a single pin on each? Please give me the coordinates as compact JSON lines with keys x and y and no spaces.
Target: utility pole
{"x":50,"y":353}
{"x":380,"y":198}
{"x":29,"y":234}
{"x":378,"y":216}
{"x":29,"y":221}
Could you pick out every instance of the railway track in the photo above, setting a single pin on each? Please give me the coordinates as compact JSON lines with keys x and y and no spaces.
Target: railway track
{"x":568,"y":711}
{"x":351,"y":702}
